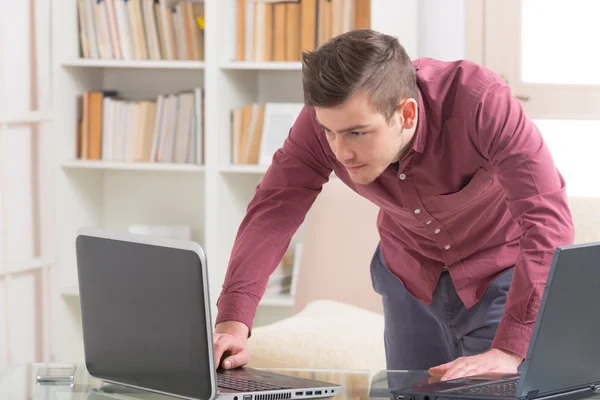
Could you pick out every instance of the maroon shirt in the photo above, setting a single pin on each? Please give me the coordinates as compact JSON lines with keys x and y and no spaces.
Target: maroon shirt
{"x":478,"y":192}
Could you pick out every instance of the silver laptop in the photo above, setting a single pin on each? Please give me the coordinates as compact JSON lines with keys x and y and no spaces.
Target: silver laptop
{"x":147,"y":323}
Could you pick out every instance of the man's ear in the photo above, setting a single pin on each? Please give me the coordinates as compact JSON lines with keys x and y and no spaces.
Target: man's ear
{"x":407,"y":110}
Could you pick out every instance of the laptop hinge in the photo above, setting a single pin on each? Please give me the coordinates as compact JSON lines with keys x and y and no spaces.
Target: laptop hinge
{"x":532,"y":394}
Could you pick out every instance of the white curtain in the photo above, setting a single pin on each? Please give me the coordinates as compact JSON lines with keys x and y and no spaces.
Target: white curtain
{"x":26,"y":166}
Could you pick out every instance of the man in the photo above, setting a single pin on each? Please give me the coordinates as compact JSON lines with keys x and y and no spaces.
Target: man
{"x":472,"y":206}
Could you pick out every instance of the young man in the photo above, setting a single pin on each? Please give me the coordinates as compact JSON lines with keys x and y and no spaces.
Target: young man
{"x":472,"y":205}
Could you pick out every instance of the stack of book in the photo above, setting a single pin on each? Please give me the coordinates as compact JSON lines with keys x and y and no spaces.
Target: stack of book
{"x":166,"y":129}
{"x":141,"y":29}
{"x":259,"y":130}
{"x":279,"y":30}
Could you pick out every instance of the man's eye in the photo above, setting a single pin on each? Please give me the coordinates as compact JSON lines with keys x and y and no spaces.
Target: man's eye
{"x":358,"y":134}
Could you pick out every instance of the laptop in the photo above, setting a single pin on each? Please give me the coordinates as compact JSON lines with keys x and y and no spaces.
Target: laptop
{"x":384,"y":381}
{"x":563,"y":358}
{"x":146,"y":321}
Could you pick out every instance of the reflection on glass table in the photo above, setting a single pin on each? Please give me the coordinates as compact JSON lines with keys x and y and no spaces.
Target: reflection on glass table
{"x":19,"y":383}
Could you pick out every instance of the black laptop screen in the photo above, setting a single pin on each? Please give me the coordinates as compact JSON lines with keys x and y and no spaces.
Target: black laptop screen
{"x":143,"y":314}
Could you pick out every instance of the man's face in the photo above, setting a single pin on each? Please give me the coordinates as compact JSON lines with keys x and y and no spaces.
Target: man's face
{"x":361,"y":138}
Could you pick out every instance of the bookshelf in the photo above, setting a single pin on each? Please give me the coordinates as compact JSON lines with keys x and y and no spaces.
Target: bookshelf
{"x":137,"y":64}
{"x":210,"y":197}
{"x":243,"y":169}
{"x":263,"y":66}
{"x":128,"y":166}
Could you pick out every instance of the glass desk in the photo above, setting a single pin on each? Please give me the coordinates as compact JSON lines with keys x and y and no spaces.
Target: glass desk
{"x":19,"y":383}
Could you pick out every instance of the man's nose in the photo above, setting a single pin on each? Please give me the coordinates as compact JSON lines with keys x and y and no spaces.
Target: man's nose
{"x":341,"y":150}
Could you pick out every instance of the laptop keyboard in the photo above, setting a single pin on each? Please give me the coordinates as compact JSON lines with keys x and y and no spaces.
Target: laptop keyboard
{"x":244,"y":385}
{"x":500,"y":389}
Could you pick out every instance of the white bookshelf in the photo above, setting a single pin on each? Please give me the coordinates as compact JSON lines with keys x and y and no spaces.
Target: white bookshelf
{"x":127,"y":166}
{"x":262,"y":66}
{"x":211,"y":198}
{"x":138,"y":64}
{"x":243,"y":169}
{"x":30,"y":117}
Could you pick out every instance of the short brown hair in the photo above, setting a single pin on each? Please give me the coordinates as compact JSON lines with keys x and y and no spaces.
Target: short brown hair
{"x":359,"y":61}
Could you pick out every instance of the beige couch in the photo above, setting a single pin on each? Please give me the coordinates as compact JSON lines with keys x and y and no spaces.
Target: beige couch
{"x":337,"y":318}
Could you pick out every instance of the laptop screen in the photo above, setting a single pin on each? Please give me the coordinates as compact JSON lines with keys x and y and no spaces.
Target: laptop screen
{"x":144,"y":315}
{"x":564,"y":351}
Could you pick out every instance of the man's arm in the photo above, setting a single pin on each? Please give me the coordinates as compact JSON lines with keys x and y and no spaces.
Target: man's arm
{"x":282,"y":199}
{"x":536,"y":197}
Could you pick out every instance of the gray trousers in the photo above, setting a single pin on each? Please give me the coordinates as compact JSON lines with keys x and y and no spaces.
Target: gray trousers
{"x":418,"y":336}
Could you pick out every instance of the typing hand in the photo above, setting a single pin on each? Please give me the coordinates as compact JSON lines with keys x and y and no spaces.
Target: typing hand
{"x":493,"y":360}
{"x":230,"y":345}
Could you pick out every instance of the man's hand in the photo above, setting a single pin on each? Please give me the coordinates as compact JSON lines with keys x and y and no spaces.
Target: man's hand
{"x":493,"y":360}
{"x":230,"y":344}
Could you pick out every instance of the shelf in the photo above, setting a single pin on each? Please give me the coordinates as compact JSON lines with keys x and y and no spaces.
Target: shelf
{"x":145,"y":64}
{"x":31,"y":117}
{"x":262,"y":66}
{"x":283,"y":300}
{"x":132,"y":166}
{"x":26,"y":266}
{"x":72,"y":291}
{"x":244,"y":169}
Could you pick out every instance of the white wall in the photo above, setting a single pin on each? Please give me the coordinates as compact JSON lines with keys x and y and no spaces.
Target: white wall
{"x":397,"y":18}
{"x":441,"y":29}
{"x":426,"y":28}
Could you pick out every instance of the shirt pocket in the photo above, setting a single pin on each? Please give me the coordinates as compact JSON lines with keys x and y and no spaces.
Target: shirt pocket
{"x":481,"y":181}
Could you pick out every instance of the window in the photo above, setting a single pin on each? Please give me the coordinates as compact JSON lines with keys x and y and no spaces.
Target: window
{"x":545,"y":52}
{"x":26,"y":201}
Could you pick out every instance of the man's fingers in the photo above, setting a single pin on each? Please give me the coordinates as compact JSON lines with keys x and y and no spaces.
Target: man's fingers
{"x":218,"y":353}
{"x":452,"y":371}
{"x":464,"y":372}
{"x":467,"y":370}
{"x":441,"y":369}
{"x":229,"y":352}
{"x":236,"y":360}
{"x":221,"y":345}
{"x":490,"y":361}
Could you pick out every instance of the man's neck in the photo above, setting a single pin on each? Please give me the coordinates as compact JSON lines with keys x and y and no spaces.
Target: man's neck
{"x":408,"y":139}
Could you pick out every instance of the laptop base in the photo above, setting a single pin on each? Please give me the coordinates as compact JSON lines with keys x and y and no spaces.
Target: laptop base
{"x":257,"y":384}
{"x":483,"y":387}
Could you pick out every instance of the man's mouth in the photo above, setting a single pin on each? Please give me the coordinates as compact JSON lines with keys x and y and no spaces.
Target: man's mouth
{"x":354,"y":167}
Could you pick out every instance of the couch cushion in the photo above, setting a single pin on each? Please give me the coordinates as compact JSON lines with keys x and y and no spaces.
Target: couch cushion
{"x":326,"y":334}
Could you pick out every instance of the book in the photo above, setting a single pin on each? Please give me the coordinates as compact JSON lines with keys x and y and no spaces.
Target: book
{"x":168,"y":128}
{"x":141,"y":29}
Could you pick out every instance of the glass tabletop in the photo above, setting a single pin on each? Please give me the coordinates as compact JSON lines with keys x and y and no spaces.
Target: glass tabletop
{"x":19,"y":383}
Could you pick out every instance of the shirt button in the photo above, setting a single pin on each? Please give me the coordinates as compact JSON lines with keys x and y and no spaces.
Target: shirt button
{"x":428,"y":222}
{"x":447,"y":247}
{"x":436,"y":231}
{"x":402,"y":176}
{"x":417,"y":211}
